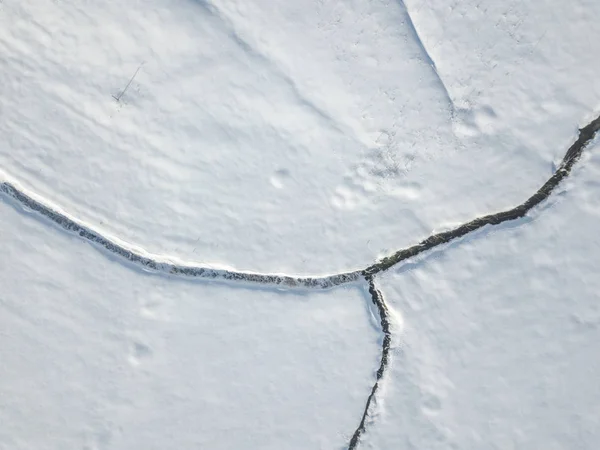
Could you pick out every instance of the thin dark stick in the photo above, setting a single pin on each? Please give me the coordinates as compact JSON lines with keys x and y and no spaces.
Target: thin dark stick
{"x":118,"y":97}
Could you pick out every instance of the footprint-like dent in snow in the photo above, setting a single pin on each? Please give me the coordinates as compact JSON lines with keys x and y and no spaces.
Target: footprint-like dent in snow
{"x":381,"y":170}
{"x":431,"y":403}
{"x":474,"y":121}
{"x":280,"y":178}
{"x":151,"y":309}
{"x":98,"y":440}
{"x":345,"y":197}
{"x":407,"y":191}
{"x":139,"y":352}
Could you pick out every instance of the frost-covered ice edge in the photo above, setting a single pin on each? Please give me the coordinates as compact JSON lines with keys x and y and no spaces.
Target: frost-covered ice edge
{"x":19,"y":198}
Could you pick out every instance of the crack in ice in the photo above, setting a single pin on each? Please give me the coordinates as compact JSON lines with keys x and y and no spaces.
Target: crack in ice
{"x":386,"y":345}
{"x":157,"y":265}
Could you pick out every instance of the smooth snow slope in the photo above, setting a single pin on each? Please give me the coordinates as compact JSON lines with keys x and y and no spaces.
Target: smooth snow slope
{"x":254,"y":126}
{"x":500,"y":331}
{"x":535,"y":63}
{"x":96,"y":355}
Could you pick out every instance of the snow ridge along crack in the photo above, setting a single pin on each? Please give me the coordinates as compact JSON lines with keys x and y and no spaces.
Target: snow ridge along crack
{"x":156,"y":264}
{"x":586,"y":134}
{"x":386,"y":345}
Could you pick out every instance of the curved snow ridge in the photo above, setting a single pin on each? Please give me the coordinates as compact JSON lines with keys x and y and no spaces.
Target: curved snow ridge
{"x":155,"y":264}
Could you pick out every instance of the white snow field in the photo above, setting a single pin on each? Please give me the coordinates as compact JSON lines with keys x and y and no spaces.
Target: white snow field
{"x":99,"y":355}
{"x":499,"y":337}
{"x":253,"y":126}
{"x":301,"y":138}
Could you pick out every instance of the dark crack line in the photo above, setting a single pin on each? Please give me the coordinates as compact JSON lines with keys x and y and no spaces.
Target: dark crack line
{"x":384,"y":315}
{"x":154,"y":264}
{"x":586,"y":134}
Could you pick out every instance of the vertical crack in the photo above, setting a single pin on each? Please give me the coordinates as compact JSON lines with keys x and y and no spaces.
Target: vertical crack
{"x":384,"y":315}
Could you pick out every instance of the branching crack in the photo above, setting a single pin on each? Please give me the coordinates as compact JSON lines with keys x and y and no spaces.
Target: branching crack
{"x":586,"y":134}
{"x":156,"y":264}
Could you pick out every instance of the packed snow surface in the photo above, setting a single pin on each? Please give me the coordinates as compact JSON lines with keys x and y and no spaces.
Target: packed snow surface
{"x":499,"y":337}
{"x":301,"y":138}
{"x":96,"y":355}
{"x":351,"y":127}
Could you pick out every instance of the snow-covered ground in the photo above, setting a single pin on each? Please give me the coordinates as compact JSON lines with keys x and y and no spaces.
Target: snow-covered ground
{"x":97,"y":355}
{"x":302,"y":138}
{"x":500,"y":332}
{"x":252,"y":126}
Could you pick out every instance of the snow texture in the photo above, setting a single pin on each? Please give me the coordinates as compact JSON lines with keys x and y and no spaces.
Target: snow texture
{"x":387,"y":319}
{"x":253,"y":126}
{"x":268,"y":145}
{"x":99,"y":356}
{"x":499,"y":334}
